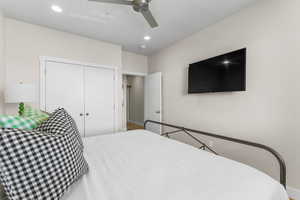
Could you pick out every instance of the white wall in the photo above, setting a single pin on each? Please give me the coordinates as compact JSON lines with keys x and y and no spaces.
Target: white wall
{"x":134,"y":63}
{"x":25,"y":43}
{"x":269,"y":111}
{"x":136,"y":98}
{"x":2,"y":68}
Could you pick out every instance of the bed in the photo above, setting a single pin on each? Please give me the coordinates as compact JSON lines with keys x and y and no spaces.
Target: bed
{"x":141,"y":165}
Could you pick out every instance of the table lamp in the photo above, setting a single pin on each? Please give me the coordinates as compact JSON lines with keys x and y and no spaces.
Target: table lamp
{"x":20,"y":93}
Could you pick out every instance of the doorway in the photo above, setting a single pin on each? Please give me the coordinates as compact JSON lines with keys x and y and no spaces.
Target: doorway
{"x":142,"y":100}
{"x":134,"y":99}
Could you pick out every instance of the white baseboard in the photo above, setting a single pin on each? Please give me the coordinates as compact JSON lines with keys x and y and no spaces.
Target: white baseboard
{"x":137,"y":123}
{"x":293,"y":193}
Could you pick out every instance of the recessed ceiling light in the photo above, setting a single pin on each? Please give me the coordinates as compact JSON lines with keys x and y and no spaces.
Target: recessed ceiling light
{"x":143,"y":46}
{"x":56,"y":8}
{"x":147,"y":38}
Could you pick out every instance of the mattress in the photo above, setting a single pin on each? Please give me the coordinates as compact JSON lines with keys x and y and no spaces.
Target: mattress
{"x":140,"y":165}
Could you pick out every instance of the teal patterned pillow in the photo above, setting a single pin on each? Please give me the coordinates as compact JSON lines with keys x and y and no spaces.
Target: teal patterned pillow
{"x":34,"y":114}
{"x":8,"y":121}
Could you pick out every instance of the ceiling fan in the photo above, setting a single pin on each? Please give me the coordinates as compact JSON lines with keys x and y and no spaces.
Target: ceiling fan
{"x":141,"y":6}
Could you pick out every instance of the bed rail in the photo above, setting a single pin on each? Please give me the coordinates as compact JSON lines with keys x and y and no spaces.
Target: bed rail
{"x":188,"y":132}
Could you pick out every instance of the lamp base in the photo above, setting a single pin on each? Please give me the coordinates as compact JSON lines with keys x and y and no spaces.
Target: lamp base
{"x":21,"y":109}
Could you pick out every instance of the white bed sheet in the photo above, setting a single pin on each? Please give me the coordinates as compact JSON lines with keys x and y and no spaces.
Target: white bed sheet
{"x":140,"y":165}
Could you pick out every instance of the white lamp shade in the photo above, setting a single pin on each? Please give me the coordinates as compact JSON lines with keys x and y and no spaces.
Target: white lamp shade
{"x":18,"y":93}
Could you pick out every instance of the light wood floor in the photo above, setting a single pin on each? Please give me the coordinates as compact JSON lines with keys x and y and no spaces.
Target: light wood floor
{"x":132,"y":126}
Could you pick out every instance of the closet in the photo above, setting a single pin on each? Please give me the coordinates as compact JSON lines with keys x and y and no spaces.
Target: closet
{"x":86,"y":92}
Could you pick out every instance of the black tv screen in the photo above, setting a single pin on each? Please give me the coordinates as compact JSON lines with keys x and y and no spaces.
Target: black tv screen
{"x":225,"y":73}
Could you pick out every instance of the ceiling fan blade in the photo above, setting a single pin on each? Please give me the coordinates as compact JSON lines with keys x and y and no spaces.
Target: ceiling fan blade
{"x":123,"y":2}
{"x":150,"y":19}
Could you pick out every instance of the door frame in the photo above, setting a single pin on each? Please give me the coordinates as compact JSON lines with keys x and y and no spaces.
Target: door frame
{"x":134,"y":73}
{"x":42,"y":96}
{"x":124,"y":98}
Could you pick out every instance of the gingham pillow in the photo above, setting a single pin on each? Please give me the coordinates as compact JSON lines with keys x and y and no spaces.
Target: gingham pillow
{"x":35,"y":114}
{"x":39,"y":166}
{"x":58,"y":123}
{"x":8,"y":121}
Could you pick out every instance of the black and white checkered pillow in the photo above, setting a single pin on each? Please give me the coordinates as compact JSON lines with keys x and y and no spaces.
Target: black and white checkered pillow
{"x":58,"y":122}
{"x":39,"y":166}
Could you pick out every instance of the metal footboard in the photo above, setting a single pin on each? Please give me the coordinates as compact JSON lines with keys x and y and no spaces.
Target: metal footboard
{"x":188,"y":132}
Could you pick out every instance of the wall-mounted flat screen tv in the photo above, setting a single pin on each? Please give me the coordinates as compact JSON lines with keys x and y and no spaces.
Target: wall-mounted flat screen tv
{"x":224,"y":73}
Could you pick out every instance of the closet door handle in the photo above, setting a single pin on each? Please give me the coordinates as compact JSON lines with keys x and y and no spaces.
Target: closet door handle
{"x":80,"y":114}
{"x":87,"y":114}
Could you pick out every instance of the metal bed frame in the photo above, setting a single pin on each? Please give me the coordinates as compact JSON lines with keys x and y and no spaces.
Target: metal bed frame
{"x":203,"y":146}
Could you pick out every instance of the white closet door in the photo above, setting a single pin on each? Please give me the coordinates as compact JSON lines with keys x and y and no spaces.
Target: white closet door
{"x":64,"y":88}
{"x":99,"y":101}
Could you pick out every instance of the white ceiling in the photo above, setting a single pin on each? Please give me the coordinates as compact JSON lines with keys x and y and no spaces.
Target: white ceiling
{"x":120,"y":24}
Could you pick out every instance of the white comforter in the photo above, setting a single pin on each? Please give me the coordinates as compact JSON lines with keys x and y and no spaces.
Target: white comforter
{"x":140,"y":165}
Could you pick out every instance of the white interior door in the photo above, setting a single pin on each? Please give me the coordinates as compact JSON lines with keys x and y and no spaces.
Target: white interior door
{"x":99,"y":101}
{"x":64,"y":88}
{"x":153,"y":101}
